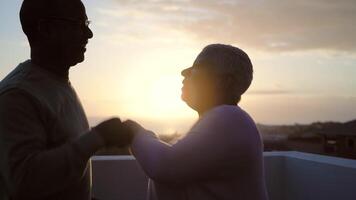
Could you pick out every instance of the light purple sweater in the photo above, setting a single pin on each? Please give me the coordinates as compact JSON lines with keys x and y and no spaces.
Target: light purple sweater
{"x":220,"y":158}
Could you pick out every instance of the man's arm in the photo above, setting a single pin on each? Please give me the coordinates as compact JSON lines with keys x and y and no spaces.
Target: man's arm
{"x":195,"y":157}
{"x":29,"y":167}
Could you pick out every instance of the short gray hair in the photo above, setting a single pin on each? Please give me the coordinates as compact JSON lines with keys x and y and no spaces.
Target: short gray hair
{"x":230,"y":61}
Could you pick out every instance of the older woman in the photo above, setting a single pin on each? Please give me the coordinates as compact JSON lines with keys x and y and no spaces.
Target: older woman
{"x":221,"y":156}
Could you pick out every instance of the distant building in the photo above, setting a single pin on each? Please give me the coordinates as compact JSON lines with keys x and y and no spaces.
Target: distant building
{"x":339,"y":144}
{"x":328,"y":138}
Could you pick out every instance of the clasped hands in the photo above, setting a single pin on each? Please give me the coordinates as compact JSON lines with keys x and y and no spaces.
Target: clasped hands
{"x":116,"y":133}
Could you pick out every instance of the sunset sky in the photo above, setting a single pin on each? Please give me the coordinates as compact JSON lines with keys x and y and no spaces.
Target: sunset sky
{"x":304,"y":56}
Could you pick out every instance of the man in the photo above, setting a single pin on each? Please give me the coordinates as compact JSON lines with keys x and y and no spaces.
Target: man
{"x":45,"y":140}
{"x":221,"y":156}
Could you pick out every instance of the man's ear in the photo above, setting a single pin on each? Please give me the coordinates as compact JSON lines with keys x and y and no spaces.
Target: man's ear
{"x":45,"y":29}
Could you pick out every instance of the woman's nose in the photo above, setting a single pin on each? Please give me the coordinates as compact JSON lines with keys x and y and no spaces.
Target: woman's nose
{"x":186,"y":72}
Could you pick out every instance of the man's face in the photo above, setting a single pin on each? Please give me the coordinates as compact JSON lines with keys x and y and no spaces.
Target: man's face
{"x":199,"y":85}
{"x":70,"y":33}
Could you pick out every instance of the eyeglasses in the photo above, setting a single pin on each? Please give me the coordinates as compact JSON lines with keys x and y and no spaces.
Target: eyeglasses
{"x":85,"y":24}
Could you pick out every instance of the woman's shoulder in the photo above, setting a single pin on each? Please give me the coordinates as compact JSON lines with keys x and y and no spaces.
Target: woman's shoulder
{"x":230,"y":113}
{"x":238,"y":126}
{"x":226,"y":117}
{"x":230,"y":125}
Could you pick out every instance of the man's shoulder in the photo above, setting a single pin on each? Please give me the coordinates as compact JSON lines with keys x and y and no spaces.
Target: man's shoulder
{"x":13,"y":75}
{"x":32,"y":80}
{"x":17,"y":78}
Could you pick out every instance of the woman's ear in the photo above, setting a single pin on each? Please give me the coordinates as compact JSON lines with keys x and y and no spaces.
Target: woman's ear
{"x":230,"y":81}
{"x":226,"y":83}
{"x":226,"y":88}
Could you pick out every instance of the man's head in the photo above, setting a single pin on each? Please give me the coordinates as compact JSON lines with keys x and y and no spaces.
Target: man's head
{"x":220,"y":75}
{"x":59,"y":28}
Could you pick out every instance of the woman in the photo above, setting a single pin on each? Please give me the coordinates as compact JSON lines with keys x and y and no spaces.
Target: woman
{"x":221,"y":156}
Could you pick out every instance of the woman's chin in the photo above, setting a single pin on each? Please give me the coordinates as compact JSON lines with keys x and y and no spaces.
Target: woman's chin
{"x":187,"y":100}
{"x":184,"y":95}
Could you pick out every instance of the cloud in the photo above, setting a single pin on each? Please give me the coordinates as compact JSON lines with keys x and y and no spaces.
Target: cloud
{"x":267,"y":25}
{"x":268,"y":92}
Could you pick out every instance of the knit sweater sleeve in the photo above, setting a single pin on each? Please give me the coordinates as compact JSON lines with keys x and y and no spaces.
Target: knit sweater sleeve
{"x":29,"y":167}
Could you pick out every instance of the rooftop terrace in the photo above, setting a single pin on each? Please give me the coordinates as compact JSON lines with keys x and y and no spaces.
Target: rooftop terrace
{"x":289,"y":176}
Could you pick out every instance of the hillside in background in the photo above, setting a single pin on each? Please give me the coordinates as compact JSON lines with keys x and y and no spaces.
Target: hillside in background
{"x":307,"y":130}
{"x":328,"y":138}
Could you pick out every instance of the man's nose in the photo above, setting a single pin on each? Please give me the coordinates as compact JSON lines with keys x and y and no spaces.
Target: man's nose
{"x":89,"y":33}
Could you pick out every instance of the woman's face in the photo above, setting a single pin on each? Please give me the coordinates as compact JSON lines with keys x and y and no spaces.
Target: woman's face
{"x":199,"y":86}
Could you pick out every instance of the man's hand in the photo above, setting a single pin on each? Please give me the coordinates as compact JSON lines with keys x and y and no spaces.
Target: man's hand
{"x":114,"y":133}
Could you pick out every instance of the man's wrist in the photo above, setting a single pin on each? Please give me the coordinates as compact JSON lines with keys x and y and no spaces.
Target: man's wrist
{"x":89,"y":143}
{"x":101,"y":142}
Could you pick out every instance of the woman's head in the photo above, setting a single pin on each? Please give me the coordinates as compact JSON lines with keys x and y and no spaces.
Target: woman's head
{"x":220,"y":75}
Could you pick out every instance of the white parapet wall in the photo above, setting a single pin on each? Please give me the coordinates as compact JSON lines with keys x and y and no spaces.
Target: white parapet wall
{"x":289,"y":176}
{"x":304,"y":176}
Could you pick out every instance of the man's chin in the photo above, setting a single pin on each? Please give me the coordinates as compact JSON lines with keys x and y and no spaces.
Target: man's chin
{"x":81,"y":59}
{"x":78,"y":60}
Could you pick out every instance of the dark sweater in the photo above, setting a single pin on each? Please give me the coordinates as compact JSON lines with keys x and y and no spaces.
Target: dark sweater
{"x":45,"y":141}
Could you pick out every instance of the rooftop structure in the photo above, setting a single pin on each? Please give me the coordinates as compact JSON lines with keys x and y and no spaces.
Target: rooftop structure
{"x":289,"y":176}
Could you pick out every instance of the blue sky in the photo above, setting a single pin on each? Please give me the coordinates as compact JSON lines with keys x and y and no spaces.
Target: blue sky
{"x":304,"y":56}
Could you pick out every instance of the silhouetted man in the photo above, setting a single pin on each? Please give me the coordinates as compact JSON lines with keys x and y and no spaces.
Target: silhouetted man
{"x":221,"y":156}
{"x":45,"y":140}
